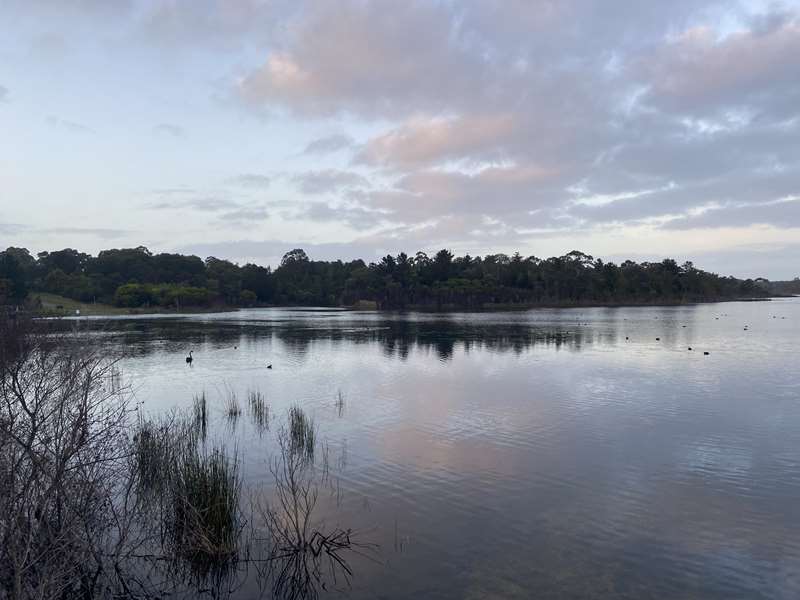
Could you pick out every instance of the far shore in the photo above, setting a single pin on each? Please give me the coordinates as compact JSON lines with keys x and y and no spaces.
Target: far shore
{"x":71,"y":309}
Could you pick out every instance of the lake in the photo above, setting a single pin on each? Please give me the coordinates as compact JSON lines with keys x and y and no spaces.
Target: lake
{"x":552,"y":453}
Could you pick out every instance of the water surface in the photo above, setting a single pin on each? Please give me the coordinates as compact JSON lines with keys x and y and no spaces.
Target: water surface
{"x":539,"y":454}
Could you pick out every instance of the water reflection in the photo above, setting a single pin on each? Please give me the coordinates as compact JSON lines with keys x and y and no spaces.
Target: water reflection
{"x":397,"y":339}
{"x":562,"y":454}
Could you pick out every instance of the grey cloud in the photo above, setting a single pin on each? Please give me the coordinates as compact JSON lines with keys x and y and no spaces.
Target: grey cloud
{"x":245,"y":214}
{"x":697,"y":72}
{"x":252,"y":180}
{"x":659,"y":98}
{"x":328,"y":144}
{"x":784,"y":213}
{"x":328,"y":181}
{"x":12,"y":228}
{"x":66,"y":125}
{"x":356,"y":57}
{"x":355,"y":216}
{"x":173,"y":191}
{"x":105,"y":233}
{"x":170,"y":129}
{"x":203,"y":204}
{"x":101,"y":232}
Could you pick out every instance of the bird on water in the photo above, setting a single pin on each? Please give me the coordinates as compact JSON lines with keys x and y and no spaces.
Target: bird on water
{"x":269,"y":366}
{"x":189,"y":358}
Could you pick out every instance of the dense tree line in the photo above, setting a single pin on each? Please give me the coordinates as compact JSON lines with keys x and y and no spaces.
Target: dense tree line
{"x":135,"y":277}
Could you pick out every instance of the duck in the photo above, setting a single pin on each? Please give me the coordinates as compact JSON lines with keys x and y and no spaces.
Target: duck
{"x":189,"y":358}
{"x":269,"y":366}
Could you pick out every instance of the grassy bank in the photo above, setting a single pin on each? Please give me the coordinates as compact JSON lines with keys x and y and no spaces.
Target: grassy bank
{"x":53,"y":305}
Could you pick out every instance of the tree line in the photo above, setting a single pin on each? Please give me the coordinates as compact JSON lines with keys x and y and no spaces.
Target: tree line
{"x":138,"y":278}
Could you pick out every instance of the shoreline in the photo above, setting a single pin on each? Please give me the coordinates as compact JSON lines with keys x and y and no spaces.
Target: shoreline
{"x":142,"y":313}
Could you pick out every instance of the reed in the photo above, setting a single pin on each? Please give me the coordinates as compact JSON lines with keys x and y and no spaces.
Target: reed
{"x":200,"y":411}
{"x":152,"y":450}
{"x":205,"y":493}
{"x":231,"y":406}
{"x":259,"y":409}
{"x":302,"y":432}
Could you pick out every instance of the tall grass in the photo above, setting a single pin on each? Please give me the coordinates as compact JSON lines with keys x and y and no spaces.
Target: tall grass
{"x":204,"y":496}
{"x":200,"y":410}
{"x":259,"y":409}
{"x":302,"y":432}
{"x":196,"y":490}
{"x":231,"y":406}
{"x":153,"y":451}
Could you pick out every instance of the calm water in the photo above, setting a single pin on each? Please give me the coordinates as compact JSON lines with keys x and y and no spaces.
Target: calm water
{"x":539,"y":454}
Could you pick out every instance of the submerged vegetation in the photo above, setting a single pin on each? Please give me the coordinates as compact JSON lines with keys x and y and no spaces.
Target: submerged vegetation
{"x":98,"y":500}
{"x":135,"y":278}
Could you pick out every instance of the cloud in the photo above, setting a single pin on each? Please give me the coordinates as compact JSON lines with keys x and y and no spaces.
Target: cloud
{"x":476,"y":123}
{"x":200,"y":203}
{"x":356,"y":57}
{"x":100,"y":232}
{"x":245,"y":214}
{"x":12,"y":228}
{"x":354,"y":216}
{"x":3,"y":93}
{"x":699,"y":72}
{"x":502,"y":191}
{"x":106,"y":233}
{"x":328,"y":144}
{"x":328,"y":181}
{"x":169,"y":129}
{"x":251,"y":180}
{"x":425,"y":141}
{"x":71,"y":126}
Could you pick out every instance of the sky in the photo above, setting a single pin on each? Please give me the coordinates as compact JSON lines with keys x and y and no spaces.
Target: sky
{"x":244,"y":128}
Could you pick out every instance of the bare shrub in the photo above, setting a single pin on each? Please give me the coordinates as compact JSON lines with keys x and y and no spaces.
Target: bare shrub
{"x":65,"y":491}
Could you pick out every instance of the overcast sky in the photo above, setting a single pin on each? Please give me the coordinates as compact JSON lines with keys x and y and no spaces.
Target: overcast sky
{"x":245,"y":128}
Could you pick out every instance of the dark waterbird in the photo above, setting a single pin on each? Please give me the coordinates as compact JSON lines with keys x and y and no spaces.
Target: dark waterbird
{"x":269,"y":366}
{"x":189,"y":358}
{"x":706,"y":353}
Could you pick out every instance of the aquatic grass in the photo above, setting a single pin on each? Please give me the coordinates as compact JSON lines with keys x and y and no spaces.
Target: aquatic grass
{"x":302,"y":432}
{"x":204,"y":496}
{"x":152,"y":453}
{"x":259,"y":409}
{"x":340,"y":403}
{"x":231,"y":406}
{"x":200,"y":410}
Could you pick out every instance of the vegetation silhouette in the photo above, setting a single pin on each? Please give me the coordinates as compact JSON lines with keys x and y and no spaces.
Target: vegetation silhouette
{"x":135,"y":278}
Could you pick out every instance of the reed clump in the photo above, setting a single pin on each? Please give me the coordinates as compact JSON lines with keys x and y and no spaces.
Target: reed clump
{"x":259,"y":409}
{"x":152,"y":451}
{"x":200,"y":411}
{"x":196,"y":490}
{"x":302,"y":432}
{"x":204,"y":500}
{"x":231,"y":406}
